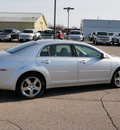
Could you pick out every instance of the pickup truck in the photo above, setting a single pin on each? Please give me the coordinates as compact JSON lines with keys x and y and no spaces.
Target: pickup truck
{"x":29,"y":35}
{"x":76,"y":35}
{"x":47,"y":34}
{"x":9,"y":34}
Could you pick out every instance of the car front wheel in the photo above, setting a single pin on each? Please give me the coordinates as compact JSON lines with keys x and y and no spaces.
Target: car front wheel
{"x":116,"y":79}
{"x":30,"y":86}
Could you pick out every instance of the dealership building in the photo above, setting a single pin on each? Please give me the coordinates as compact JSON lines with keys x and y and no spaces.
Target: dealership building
{"x":22,"y":21}
{"x":91,"y":25}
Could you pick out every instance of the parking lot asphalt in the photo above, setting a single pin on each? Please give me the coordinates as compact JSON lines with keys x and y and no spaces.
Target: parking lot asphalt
{"x":73,"y":108}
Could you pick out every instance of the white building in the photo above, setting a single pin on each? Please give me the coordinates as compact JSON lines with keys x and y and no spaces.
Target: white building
{"x":91,"y":25}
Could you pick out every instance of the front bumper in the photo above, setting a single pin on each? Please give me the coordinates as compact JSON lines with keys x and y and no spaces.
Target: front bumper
{"x":25,"y":39}
{"x":2,"y":38}
{"x":103,"y":41}
{"x":75,"y":39}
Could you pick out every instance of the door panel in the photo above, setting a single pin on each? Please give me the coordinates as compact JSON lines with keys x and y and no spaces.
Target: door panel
{"x":94,"y":70}
{"x":59,"y":70}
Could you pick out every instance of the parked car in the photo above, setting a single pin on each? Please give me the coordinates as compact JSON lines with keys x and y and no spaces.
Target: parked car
{"x":59,"y":35}
{"x":116,"y":38}
{"x":76,"y":35}
{"x":29,"y":35}
{"x":102,"y":37}
{"x":32,"y":67}
{"x":47,"y":34}
{"x":9,"y":34}
{"x":91,"y":36}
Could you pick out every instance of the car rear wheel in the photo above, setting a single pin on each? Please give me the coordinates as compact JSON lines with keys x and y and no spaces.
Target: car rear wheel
{"x":30,"y":86}
{"x":112,"y":42}
{"x":118,"y":42}
{"x":10,"y":40}
{"x":116,"y":79}
{"x":95,"y":42}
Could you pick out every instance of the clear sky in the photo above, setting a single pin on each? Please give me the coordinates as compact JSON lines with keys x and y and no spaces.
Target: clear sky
{"x":83,"y":9}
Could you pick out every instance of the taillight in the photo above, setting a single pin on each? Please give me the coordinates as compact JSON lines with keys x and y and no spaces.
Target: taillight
{"x":3,"y":69}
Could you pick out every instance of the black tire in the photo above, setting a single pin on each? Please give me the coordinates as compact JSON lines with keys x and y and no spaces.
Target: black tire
{"x":10,"y":40}
{"x":115,"y":82}
{"x":118,"y":42}
{"x":30,"y":86}
{"x":21,"y":40}
{"x":112,"y":42}
{"x":108,"y":44}
{"x":95,"y":42}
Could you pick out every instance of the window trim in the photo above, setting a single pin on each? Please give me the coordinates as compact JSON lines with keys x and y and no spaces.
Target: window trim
{"x":71,"y":47}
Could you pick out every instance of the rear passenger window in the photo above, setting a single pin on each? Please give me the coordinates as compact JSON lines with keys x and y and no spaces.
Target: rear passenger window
{"x":57,"y":51}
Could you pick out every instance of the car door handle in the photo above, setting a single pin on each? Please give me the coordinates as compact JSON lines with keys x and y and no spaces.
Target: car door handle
{"x":83,"y":61}
{"x":46,"y":61}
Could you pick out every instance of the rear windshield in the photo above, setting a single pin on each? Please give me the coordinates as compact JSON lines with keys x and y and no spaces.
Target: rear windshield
{"x":20,"y":47}
{"x":28,"y":31}
{"x":75,"y":32}
{"x":48,"y":32}
{"x":7,"y":31}
{"x":102,"y":33}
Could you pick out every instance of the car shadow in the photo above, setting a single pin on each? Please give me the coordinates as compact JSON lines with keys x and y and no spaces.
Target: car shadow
{"x":10,"y":96}
{"x":74,"y":90}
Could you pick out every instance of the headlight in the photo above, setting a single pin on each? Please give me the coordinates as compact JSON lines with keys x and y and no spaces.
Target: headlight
{"x":9,"y":36}
{"x":30,"y":36}
{"x":110,"y":38}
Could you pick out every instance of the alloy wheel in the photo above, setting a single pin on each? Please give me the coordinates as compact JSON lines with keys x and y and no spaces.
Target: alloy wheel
{"x":117,"y":79}
{"x":31,"y":87}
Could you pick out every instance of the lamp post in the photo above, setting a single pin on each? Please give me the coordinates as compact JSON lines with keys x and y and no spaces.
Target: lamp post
{"x":54,"y":17}
{"x":68,"y":9}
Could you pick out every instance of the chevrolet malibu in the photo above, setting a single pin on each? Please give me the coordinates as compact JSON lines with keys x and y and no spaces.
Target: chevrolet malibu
{"x":32,"y":67}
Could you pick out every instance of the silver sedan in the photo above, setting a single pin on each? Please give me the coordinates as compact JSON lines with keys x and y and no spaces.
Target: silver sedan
{"x":32,"y":67}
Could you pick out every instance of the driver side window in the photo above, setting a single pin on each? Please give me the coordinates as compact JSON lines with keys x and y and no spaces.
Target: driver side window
{"x":83,"y":51}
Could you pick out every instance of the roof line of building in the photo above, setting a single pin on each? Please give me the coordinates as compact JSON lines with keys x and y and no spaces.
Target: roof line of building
{"x":101,"y":19}
{"x":21,"y":12}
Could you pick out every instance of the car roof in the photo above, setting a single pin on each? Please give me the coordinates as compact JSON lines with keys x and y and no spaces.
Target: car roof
{"x":54,"y":41}
{"x":40,"y":44}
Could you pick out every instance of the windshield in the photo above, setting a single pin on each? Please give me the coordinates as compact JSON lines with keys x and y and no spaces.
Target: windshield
{"x":28,"y":31}
{"x":7,"y":31}
{"x":48,"y":32}
{"x":102,"y":33}
{"x":75,"y":32}
{"x":20,"y":47}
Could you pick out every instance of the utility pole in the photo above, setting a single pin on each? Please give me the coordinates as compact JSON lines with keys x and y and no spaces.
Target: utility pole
{"x":54,"y":17}
{"x":68,"y":10}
